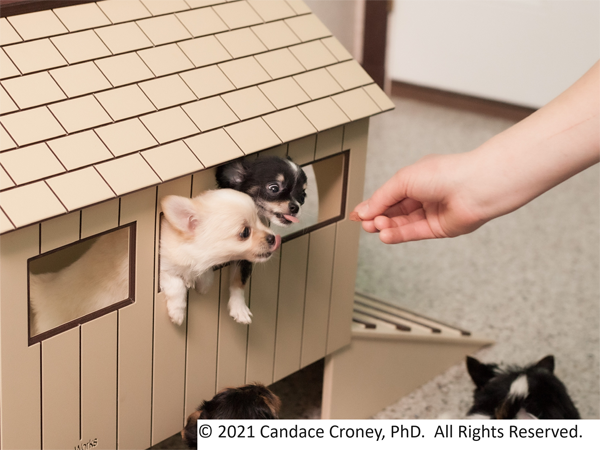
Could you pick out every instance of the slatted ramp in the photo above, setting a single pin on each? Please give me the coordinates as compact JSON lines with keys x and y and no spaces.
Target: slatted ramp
{"x":393,"y":351}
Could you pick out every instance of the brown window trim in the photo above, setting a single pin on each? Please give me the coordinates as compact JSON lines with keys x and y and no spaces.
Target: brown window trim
{"x":14,"y":7}
{"x":101,"y":312}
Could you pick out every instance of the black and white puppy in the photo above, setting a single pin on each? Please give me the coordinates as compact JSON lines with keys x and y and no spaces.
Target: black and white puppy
{"x":531,"y":392}
{"x":278,"y":188}
{"x":277,"y":185}
{"x":252,"y":401}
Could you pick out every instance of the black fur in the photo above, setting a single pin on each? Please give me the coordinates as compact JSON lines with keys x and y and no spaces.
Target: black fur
{"x":257,"y":178}
{"x":245,"y":270}
{"x":252,"y":401}
{"x":547,"y":396}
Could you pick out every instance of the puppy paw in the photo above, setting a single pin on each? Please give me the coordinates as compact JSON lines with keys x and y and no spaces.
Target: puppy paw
{"x":177,"y":315}
{"x":240,"y":313}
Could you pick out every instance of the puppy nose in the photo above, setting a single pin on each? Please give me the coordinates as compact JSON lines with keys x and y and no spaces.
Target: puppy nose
{"x":294,"y":208}
{"x":274,"y":242}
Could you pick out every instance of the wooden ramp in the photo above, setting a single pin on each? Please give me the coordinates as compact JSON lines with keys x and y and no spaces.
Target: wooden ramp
{"x":392,"y":352}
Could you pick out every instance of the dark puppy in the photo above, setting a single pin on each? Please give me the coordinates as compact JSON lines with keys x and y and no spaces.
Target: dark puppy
{"x":278,"y":187}
{"x":252,"y":401}
{"x":531,"y":392}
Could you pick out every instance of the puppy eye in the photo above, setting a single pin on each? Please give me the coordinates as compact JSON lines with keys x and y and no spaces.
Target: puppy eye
{"x":273,"y":188}
{"x":245,"y":234}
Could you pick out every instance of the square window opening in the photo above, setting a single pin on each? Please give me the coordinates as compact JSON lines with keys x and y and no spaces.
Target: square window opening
{"x":79,"y":282}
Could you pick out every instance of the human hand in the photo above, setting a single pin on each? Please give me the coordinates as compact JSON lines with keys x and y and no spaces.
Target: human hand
{"x":427,"y":200}
{"x":449,"y":195}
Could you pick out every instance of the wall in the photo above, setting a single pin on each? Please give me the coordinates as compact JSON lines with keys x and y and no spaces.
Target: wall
{"x":344,"y":18}
{"x":523,"y":52}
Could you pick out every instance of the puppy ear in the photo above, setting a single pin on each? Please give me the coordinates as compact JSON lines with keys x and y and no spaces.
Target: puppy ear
{"x":189,"y":433}
{"x":546,"y":363}
{"x":480,"y":373}
{"x":180,"y":213}
{"x":231,"y":175}
{"x":274,"y":404}
{"x":292,"y":161}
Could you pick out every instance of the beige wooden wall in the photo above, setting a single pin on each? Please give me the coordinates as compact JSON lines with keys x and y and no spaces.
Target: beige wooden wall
{"x":130,"y":378}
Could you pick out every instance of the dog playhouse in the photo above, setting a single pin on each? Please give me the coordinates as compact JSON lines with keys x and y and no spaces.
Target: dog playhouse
{"x":108,"y":106}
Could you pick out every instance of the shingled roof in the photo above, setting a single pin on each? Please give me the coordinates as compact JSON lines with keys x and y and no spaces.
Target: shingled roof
{"x":102,"y":99}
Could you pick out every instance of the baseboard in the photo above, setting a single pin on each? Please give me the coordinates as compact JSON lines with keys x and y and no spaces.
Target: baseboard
{"x":460,"y":101}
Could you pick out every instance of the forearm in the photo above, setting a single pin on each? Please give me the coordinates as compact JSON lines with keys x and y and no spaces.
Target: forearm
{"x":553,"y":144}
{"x":451,"y":195}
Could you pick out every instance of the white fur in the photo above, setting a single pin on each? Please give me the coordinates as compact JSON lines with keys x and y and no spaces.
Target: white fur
{"x":203,"y":232}
{"x":96,"y":280}
{"x":519,"y":387}
{"x":237,"y":306}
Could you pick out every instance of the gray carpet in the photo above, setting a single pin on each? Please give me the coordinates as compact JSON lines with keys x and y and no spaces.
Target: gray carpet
{"x":528,"y":280}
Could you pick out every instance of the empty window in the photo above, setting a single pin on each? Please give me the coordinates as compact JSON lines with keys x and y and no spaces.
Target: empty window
{"x":79,"y":282}
{"x":325,"y":195}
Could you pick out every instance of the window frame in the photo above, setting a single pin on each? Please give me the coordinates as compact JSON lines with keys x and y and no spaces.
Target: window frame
{"x":343,"y":198}
{"x":95,"y":314}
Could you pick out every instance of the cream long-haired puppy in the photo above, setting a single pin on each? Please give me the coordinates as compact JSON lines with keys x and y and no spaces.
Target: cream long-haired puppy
{"x":197,"y":234}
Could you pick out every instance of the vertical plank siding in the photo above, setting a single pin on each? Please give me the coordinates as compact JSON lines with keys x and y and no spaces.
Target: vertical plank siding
{"x":98,"y":363}
{"x":231,"y":353}
{"x":21,"y":396}
{"x":60,"y":356}
{"x":99,"y":382}
{"x":201,"y":350}
{"x":318,"y":293}
{"x":290,"y":307}
{"x":261,"y":334}
{"x":136,"y":327}
{"x":60,"y":390}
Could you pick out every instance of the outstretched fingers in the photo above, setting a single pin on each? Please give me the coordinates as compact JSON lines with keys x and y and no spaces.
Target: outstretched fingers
{"x":395,"y":213}
{"x":405,"y":222}
{"x":392,"y":192}
{"x":411,"y":231}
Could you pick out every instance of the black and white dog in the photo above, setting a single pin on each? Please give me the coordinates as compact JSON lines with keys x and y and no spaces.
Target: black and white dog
{"x":278,"y":188}
{"x":531,"y":392}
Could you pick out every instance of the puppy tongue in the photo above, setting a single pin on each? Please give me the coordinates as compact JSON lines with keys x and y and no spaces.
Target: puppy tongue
{"x":277,"y":243}
{"x":291,"y":218}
